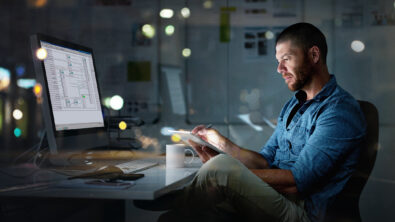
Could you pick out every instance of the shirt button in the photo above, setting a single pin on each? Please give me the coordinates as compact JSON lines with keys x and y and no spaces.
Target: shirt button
{"x":289,"y":145}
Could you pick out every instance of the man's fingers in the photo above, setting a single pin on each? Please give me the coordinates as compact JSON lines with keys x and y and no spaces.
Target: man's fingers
{"x":198,"y":148}
{"x":194,"y":145}
{"x":209,"y":151}
{"x":197,"y":129}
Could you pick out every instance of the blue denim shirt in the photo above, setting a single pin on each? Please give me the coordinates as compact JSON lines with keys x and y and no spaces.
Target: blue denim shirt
{"x":319,"y":146}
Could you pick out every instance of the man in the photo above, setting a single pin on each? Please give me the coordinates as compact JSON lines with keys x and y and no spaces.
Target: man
{"x":306,"y":161}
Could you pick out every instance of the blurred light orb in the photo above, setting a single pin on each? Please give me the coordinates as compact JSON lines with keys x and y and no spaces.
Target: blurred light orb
{"x":17,"y":114}
{"x":169,"y":30}
{"x":107,"y":102}
{"x":208,"y":4}
{"x":26,"y":83}
{"x":122,"y":125}
{"x":166,"y":130}
{"x":37,"y":89}
{"x":185,"y":12}
{"x":5,"y":78}
{"x":186,"y":52}
{"x":148,"y":31}
{"x":357,"y":46}
{"x":175,"y":138}
{"x":116,"y":102}
{"x":269,"y":35}
{"x":17,"y":132}
{"x":166,"y":13}
{"x":41,"y":53}
{"x":37,"y":3}
{"x":20,"y":70}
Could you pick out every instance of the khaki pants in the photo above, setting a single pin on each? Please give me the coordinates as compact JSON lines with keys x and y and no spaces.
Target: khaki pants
{"x":225,"y":187}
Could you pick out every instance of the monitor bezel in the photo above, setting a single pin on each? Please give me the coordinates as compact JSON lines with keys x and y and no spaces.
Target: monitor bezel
{"x":63,"y":43}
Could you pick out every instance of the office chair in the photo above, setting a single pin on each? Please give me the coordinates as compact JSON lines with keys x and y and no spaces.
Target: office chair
{"x":346,"y":205}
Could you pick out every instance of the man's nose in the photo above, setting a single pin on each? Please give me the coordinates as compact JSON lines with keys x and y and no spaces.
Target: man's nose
{"x":281,"y":68}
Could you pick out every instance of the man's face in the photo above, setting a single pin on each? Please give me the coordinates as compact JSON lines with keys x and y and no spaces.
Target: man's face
{"x":293,"y":65}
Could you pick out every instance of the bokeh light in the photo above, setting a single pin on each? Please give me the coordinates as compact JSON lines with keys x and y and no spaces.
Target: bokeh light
{"x":208,"y":4}
{"x":169,"y":30}
{"x":107,"y":102}
{"x":185,"y":12}
{"x":175,"y":138}
{"x":17,"y":132}
{"x":357,"y":46}
{"x":116,"y":102}
{"x":37,"y":3}
{"x":122,"y":125}
{"x":26,"y":83}
{"x":17,"y":114}
{"x":166,"y":13}
{"x":4,"y":78}
{"x":41,"y":53}
{"x":20,"y":70}
{"x":148,"y":31}
{"x":186,"y":52}
{"x":166,"y":130}
{"x":269,"y":35}
{"x":37,"y":89}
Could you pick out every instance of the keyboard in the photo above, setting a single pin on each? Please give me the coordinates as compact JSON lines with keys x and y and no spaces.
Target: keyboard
{"x":137,"y":165}
{"x":119,"y":171}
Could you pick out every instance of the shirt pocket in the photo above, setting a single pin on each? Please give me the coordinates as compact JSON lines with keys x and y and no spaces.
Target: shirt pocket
{"x":299,"y":138}
{"x":282,"y":154}
{"x":295,"y":151}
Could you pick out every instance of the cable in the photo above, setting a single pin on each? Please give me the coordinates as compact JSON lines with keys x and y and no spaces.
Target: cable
{"x":34,"y":147}
{"x":24,"y":153}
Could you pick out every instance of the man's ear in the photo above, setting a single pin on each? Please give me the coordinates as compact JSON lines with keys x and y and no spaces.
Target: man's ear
{"x":315,"y":54}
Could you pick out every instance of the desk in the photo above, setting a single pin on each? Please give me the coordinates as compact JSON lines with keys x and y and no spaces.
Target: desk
{"x":156,"y":182}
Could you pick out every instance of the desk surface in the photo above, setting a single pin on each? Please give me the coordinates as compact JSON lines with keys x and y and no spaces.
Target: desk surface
{"x":157,"y":181}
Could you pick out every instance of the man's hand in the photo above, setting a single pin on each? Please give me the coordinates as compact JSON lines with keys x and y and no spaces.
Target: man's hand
{"x":203,"y":152}
{"x":250,"y":159}
{"x":213,"y":137}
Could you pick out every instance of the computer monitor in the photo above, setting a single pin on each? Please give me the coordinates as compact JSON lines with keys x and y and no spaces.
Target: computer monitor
{"x":72,"y":108}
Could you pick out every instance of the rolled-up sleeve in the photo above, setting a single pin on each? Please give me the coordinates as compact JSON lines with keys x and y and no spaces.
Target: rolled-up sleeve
{"x":338,"y":132}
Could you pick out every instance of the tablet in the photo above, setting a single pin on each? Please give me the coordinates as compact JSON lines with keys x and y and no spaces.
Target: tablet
{"x":187,"y":135}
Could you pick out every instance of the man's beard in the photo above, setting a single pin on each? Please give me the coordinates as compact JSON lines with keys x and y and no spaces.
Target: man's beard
{"x":303,"y":75}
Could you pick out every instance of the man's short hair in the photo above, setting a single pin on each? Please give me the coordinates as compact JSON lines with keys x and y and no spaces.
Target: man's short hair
{"x":305,"y":35}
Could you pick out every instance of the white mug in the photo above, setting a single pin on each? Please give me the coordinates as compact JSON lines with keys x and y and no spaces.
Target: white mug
{"x":175,"y":155}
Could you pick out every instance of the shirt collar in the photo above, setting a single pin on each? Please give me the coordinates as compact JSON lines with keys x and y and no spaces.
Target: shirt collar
{"x":301,"y":96}
{"x":324,"y":93}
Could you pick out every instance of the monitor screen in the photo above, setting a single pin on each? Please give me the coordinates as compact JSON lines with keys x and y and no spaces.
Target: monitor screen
{"x":72,"y":88}
{"x":71,"y":104}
